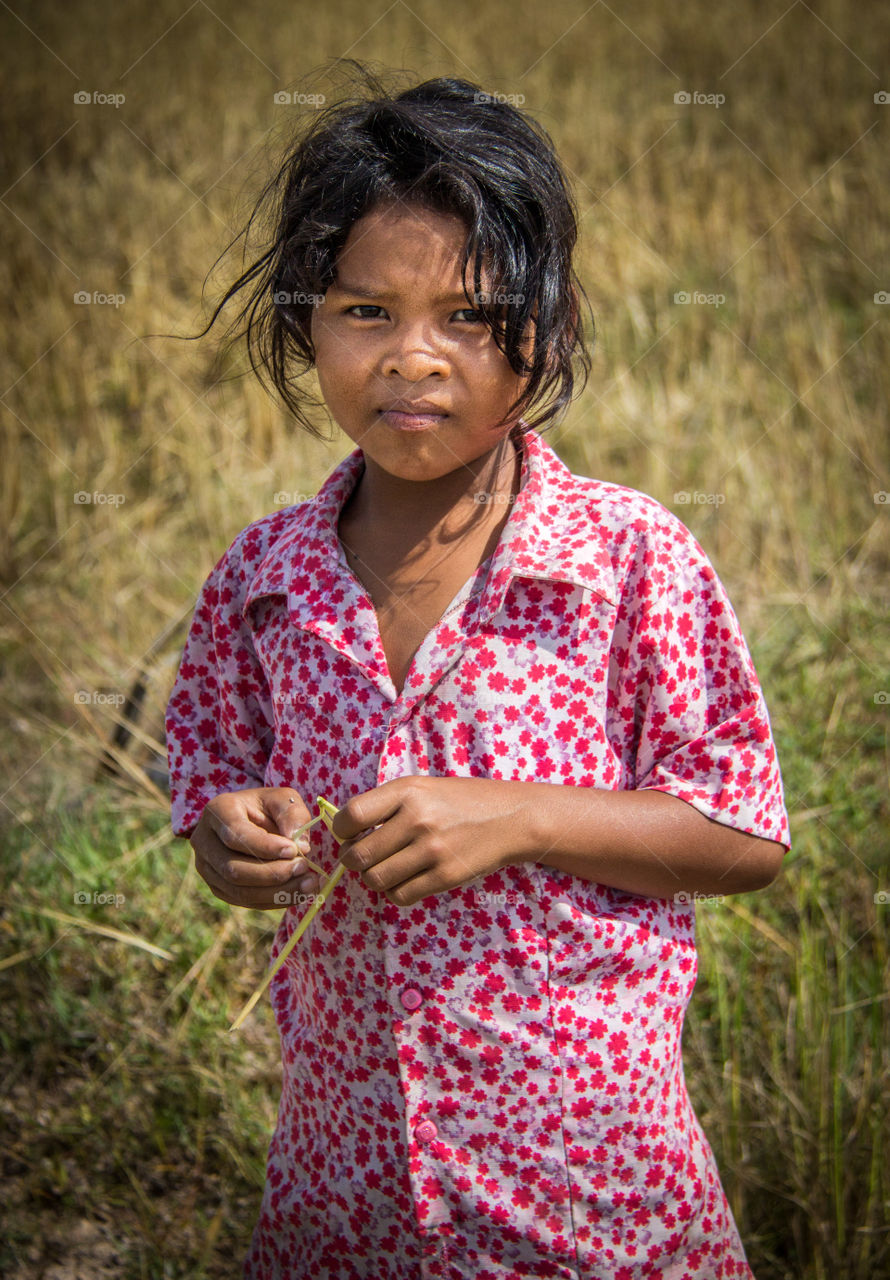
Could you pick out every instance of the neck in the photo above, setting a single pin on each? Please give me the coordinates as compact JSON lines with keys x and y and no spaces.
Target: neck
{"x":436,"y":511}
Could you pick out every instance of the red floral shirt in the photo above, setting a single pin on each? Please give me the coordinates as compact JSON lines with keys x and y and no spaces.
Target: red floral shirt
{"x":488,"y":1084}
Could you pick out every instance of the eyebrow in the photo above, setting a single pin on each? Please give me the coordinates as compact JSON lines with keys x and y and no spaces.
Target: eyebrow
{"x":359,"y":292}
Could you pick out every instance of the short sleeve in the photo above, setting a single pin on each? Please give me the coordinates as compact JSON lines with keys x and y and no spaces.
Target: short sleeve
{"x":694,"y":719}
{"x":219,"y":719}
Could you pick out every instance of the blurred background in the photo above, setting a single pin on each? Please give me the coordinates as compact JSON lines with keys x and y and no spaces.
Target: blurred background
{"x":730,"y":173}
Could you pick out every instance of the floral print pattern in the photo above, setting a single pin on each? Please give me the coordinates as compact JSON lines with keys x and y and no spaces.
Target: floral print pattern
{"x":489,"y":1084}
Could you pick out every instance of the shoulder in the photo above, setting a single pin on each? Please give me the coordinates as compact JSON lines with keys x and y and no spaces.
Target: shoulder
{"x":263,"y":540}
{"x":648,"y":546}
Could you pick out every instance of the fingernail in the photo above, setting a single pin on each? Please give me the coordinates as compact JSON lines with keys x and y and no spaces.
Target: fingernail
{"x":308,"y":884}
{"x":303,"y":844}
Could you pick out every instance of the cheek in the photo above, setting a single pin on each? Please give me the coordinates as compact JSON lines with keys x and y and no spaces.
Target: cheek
{"x":325,"y":382}
{"x":494,"y":369}
{"x":335,"y":359}
{"x":503,"y":386}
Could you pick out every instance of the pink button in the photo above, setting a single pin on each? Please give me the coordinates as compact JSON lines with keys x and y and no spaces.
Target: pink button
{"x":425,"y":1131}
{"x":411,"y":998}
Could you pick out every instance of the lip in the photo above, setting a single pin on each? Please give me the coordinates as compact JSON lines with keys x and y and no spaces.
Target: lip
{"x":417,"y":415}
{"x":412,"y":407}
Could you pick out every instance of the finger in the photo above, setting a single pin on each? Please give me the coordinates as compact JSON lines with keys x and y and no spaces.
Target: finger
{"x":396,"y":870}
{"x":413,"y":889}
{"x":258,"y":878}
{"x":237,"y":832}
{"x":371,"y":848}
{"x":368,"y":809}
{"x":233,"y":894}
{"x":236,"y":869}
{"x":291,"y":893}
{"x":286,"y":809}
{"x":427,"y":878}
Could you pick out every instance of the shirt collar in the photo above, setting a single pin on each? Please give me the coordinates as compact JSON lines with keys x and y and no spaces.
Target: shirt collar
{"x":551,"y":533}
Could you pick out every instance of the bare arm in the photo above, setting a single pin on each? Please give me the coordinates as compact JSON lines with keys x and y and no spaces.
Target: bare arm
{"x":646,"y":842}
{"x":432,"y":834}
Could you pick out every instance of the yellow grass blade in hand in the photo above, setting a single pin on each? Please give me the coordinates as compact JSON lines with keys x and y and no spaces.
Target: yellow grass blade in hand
{"x":327,"y":814}
{"x":302,"y":831}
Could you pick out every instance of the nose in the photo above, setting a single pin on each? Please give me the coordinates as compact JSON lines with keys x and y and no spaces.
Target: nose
{"x":414,"y":354}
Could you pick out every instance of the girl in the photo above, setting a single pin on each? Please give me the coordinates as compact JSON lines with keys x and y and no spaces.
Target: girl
{"x":529,"y":695}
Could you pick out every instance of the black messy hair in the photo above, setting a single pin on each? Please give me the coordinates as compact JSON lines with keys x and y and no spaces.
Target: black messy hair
{"x":450,"y":147}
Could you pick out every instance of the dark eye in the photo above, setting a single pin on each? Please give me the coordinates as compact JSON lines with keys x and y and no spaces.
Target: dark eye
{"x":476,"y":316}
{"x":363,"y":307}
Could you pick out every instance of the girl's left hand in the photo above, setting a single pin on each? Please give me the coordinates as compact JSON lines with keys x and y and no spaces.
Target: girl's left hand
{"x":431,"y":834}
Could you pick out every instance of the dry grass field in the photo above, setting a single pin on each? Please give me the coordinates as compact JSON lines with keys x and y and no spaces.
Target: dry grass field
{"x":730,"y":170}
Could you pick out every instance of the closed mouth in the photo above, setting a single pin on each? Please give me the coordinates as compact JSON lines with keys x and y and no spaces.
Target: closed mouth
{"x":420,"y":410}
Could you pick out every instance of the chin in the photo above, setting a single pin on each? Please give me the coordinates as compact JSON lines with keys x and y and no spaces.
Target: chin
{"x":415,"y":456}
{"x":416,"y":469}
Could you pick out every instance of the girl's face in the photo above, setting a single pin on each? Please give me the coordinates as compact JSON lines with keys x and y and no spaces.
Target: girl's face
{"x":393,"y":330}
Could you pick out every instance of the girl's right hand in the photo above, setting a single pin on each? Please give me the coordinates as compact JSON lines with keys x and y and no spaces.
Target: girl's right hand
{"x":242,"y":848}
